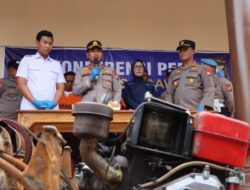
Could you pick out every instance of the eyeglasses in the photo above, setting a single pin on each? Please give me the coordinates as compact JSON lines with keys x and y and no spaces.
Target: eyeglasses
{"x":138,"y":66}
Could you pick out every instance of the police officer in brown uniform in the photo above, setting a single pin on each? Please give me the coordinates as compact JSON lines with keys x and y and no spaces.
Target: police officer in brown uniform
{"x":96,"y":82}
{"x":223,"y":97}
{"x":189,"y":85}
{"x":224,"y":92}
{"x":10,"y":96}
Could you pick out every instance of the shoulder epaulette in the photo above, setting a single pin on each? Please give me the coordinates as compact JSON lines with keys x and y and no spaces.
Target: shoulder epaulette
{"x":108,"y":69}
{"x":85,"y":71}
{"x":178,"y":69}
{"x":194,"y":65}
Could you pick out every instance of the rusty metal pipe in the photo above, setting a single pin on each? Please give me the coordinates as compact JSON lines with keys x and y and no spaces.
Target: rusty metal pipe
{"x":69,"y":181}
{"x":96,"y":162}
{"x":66,"y":163}
{"x":92,"y":121}
{"x":7,"y":167}
{"x":17,"y":163}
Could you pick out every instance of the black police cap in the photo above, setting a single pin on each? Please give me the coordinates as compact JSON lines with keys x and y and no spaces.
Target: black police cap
{"x":185,"y":44}
{"x":94,"y":43}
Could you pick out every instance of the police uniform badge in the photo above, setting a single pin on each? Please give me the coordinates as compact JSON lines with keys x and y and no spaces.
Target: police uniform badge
{"x":11,"y":92}
{"x":229,"y":87}
{"x":191,"y":81}
{"x":207,"y":71}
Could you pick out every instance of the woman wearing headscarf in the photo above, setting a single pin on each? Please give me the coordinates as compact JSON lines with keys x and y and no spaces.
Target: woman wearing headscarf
{"x":135,"y":89}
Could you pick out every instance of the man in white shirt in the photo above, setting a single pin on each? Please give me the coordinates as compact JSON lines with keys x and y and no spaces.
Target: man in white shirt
{"x":39,"y":77}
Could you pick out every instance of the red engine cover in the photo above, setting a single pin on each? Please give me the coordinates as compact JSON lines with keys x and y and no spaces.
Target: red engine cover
{"x":221,"y":139}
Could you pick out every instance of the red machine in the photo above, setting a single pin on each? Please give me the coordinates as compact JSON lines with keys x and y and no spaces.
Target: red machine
{"x":221,"y":139}
{"x":166,"y":148}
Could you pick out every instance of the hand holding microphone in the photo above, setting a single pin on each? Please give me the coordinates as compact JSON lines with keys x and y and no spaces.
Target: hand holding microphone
{"x":95,"y":71}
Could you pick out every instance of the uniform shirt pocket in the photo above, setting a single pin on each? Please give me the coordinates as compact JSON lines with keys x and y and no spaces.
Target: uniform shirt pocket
{"x":53,"y":74}
{"x":107,"y":81}
{"x":192,"y":79}
{"x":34,"y":69}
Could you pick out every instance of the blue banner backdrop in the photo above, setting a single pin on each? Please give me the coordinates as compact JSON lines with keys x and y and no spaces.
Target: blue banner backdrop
{"x":157,"y":62}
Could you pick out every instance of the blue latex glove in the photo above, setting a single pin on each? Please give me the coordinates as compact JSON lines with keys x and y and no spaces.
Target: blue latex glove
{"x":50,"y":104}
{"x":39,"y":104}
{"x":94,"y":73}
{"x":200,"y":108}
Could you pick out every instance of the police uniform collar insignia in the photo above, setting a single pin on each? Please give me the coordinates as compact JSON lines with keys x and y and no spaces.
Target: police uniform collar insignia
{"x":178,"y":71}
{"x":193,"y":67}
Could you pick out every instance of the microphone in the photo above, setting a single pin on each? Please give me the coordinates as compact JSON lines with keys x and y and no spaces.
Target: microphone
{"x":96,"y":63}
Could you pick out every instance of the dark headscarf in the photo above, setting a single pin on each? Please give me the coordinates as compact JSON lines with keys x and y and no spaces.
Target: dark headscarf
{"x":133,"y":66}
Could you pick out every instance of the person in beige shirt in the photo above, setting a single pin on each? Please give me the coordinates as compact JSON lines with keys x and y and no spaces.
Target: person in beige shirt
{"x":225,"y":94}
{"x":189,"y":85}
{"x":223,"y":97}
{"x":96,"y":82}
